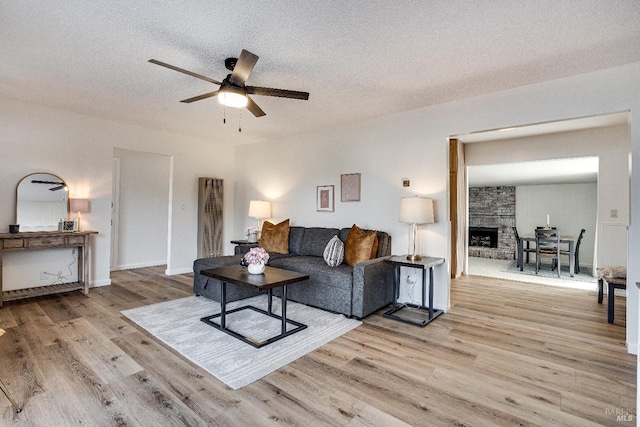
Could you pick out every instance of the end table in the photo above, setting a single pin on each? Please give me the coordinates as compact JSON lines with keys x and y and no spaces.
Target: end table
{"x":425,"y":264}
{"x":243,"y":246}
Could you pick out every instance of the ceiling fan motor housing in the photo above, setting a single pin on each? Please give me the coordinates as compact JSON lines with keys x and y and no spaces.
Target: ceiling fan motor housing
{"x":230,"y":63}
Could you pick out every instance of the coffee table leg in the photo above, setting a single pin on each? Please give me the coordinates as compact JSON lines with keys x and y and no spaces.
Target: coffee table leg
{"x":269,"y":299}
{"x":284,"y":309}
{"x":223,"y":305}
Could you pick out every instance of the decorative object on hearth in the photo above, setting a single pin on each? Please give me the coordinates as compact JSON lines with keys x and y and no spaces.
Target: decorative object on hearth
{"x":415,"y":211}
{"x":233,"y":92}
{"x":259,"y":209}
{"x":14,"y":228}
{"x":79,"y":206}
{"x":256,"y":259}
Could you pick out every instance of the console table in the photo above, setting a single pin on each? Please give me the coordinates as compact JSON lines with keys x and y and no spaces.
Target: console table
{"x":46,"y":240}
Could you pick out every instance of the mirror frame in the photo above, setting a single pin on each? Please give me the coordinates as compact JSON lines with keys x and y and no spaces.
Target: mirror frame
{"x":31,"y":175}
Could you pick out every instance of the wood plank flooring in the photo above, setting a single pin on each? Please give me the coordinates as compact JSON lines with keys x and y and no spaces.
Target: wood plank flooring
{"x":507,"y":353}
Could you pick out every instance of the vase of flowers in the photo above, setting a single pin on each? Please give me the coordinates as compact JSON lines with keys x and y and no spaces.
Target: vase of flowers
{"x":252,"y":234}
{"x":255,"y":260}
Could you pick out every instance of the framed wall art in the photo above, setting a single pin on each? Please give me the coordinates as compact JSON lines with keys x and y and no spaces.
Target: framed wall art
{"x":324,"y":198}
{"x":350,"y":187}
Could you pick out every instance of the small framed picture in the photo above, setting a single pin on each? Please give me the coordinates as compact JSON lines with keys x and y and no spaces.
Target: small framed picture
{"x":350,"y":187}
{"x":324,"y":198}
{"x":65,"y":225}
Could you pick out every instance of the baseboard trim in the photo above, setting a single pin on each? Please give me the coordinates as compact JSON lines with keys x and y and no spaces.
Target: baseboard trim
{"x":138,"y":265}
{"x":99,"y":283}
{"x":177,"y":271}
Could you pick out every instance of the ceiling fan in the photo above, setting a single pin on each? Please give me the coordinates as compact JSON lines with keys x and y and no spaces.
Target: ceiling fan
{"x":58,"y":185}
{"x":233,"y":92}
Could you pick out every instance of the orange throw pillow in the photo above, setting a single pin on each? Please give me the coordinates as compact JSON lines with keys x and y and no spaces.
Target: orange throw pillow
{"x":360,"y":245}
{"x":275,"y":238}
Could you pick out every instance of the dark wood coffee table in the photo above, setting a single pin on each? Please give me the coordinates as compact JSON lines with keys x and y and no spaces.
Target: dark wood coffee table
{"x":270,"y":279}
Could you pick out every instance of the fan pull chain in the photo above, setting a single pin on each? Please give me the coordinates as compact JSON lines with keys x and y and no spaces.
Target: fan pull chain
{"x":224,"y":115}
{"x":240,"y":122}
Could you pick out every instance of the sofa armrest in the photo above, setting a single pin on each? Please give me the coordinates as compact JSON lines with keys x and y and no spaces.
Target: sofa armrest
{"x":201,"y":282}
{"x":372,"y":286}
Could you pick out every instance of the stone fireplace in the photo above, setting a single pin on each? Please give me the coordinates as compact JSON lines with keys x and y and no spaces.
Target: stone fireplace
{"x":492,"y":214}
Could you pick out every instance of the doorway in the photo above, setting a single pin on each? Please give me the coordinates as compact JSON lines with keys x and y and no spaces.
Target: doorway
{"x":140,"y":215}
{"x":551,"y":153}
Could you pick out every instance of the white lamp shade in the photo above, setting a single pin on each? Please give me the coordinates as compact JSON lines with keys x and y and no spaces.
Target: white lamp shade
{"x":259,"y":209}
{"x":79,"y":205}
{"x":416,"y":210}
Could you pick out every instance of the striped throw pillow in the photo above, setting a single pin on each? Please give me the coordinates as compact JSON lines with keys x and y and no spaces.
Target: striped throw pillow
{"x":334,"y":252}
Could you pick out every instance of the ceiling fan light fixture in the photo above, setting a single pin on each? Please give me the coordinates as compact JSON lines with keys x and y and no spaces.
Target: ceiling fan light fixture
{"x":232,"y":97}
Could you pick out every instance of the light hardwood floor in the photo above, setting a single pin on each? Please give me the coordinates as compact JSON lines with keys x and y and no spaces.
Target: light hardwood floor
{"x":508,"y":353}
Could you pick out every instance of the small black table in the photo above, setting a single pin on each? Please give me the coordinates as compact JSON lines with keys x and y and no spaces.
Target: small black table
{"x":271,"y":278}
{"x":426,"y":263}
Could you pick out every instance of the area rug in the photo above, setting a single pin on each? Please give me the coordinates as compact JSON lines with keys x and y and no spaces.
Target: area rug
{"x":177,"y":324}
{"x":545,"y":271}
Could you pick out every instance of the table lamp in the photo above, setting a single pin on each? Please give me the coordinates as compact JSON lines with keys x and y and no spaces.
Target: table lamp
{"x":80,"y":206}
{"x":259,"y":209}
{"x":415,"y":211}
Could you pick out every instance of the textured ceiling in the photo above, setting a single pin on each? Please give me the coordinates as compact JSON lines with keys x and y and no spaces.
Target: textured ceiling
{"x":357,"y":59}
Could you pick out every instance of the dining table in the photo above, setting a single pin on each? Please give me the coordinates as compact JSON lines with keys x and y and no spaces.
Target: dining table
{"x":569,"y":240}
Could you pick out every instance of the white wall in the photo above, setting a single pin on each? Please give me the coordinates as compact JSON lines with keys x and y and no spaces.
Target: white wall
{"x":144,"y":209}
{"x":571,"y":207}
{"x":79,"y":148}
{"x":413,"y":144}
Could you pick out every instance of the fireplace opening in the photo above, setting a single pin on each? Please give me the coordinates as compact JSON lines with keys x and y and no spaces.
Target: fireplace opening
{"x":486,"y":237}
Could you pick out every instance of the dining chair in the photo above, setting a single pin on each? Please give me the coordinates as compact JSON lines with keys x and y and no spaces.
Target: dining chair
{"x":547,"y":246}
{"x":577,"y":255}
{"x":519,"y":244}
{"x":4,"y":388}
{"x":576,"y":268}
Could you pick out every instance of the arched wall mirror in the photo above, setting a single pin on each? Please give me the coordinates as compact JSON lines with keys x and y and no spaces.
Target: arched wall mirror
{"x":42,"y":200}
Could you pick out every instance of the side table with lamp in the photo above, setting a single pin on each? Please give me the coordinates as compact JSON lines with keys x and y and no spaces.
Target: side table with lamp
{"x":415,"y":211}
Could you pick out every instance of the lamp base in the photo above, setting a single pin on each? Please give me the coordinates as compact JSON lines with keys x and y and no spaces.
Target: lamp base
{"x":414,"y":257}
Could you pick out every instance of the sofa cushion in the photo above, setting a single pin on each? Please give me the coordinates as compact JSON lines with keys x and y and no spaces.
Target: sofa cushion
{"x":384,"y":241}
{"x":275,"y":238}
{"x":318,"y":270}
{"x":360,"y":245}
{"x":296,"y":235}
{"x":334,"y":252}
{"x":315,"y":240}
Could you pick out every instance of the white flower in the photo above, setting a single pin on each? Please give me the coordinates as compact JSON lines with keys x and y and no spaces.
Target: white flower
{"x":256,"y":256}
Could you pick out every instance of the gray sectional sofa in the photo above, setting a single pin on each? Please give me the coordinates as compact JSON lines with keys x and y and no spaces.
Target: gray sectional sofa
{"x":353,"y":291}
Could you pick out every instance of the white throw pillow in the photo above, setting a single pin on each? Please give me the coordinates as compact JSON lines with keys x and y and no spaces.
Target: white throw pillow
{"x":334,"y":252}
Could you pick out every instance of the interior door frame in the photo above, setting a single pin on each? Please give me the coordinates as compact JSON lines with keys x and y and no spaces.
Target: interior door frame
{"x":115,"y":212}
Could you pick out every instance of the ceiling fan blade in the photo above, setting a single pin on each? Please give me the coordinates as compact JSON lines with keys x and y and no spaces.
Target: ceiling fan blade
{"x":282,"y":93}
{"x":253,"y":107}
{"x":190,"y":73}
{"x":199,"y":97}
{"x":243,"y":68}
